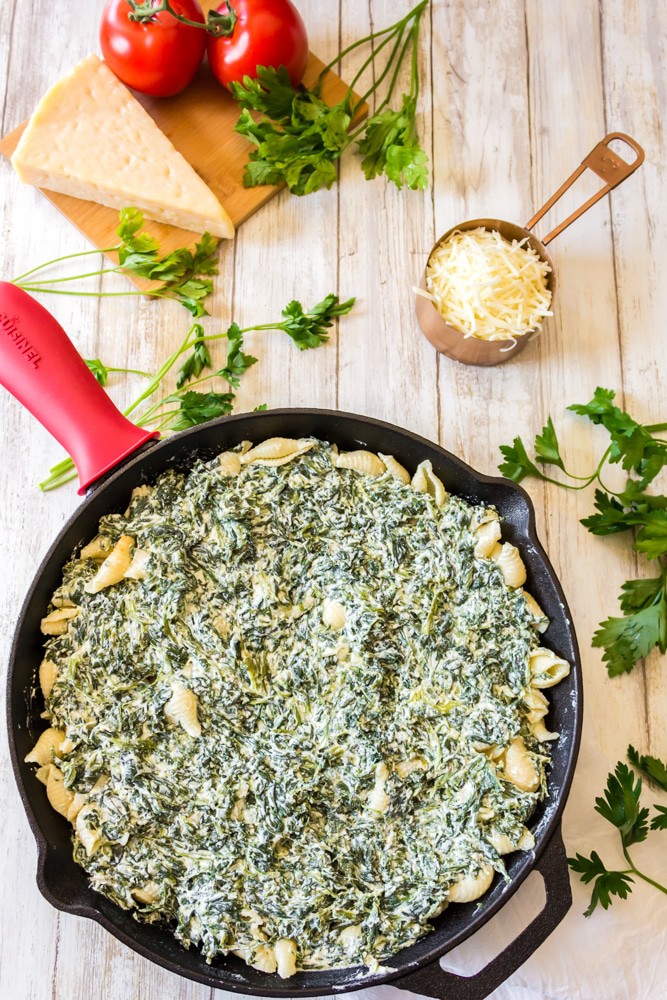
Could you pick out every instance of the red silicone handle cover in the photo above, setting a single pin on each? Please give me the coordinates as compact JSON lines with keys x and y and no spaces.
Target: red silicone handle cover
{"x":41,"y":367}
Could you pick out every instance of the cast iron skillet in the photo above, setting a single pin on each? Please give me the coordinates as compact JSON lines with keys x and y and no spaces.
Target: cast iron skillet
{"x":36,"y":335}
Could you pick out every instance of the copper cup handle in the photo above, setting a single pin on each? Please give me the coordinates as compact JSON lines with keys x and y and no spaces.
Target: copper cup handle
{"x":604,"y":162}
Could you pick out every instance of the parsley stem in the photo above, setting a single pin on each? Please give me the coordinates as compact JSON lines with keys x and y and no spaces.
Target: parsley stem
{"x":59,"y":479}
{"x":371,"y":90}
{"x":412,"y":36}
{"x":144,"y":420}
{"x":371,"y":58}
{"x":356,"y":45}
{"x":130,"y":371}
{"x":92,"y":295}
{"x":72,"y":277}
{"x":57,"y":260}
{"x":641,"y":875}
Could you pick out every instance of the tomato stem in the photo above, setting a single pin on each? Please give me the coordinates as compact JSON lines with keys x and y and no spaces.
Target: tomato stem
{"x":217,"y":24}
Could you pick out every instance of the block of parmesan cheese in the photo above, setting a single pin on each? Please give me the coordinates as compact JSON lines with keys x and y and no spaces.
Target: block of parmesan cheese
{"x":91,"y":139}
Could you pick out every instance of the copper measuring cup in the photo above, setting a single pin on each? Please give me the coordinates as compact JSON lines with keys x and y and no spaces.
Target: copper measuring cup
{"x":446,"y":339}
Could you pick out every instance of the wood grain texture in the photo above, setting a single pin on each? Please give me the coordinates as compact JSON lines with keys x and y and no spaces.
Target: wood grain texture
{"x":514,"y":95}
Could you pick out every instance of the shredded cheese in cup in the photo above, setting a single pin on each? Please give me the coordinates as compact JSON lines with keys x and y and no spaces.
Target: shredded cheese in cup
{"x":487,"y":287}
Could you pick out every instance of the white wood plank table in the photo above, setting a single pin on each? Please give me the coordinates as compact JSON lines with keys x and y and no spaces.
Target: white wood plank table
{"x":514,"y":95}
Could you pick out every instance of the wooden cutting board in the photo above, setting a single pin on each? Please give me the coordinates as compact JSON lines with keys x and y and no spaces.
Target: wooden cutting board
{"x":200,"y":123}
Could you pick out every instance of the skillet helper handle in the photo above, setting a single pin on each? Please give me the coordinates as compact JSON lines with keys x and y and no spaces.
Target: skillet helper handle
{"x":40,"y":366}
{"x":432,"y":981}
{"x":604,"y":162}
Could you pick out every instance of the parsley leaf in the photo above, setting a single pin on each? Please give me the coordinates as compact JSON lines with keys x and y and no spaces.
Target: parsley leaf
{"x":517,"y":465}
{"x":652,"y":535}
{"x":299,"y":138}
{"x":620,"y":805}
{"x":644,"y":603}
{"x":270,"y":92}
{"x":611,"y":519}
{"x":300,"y":149}
{"x":130,"y":222}
{"x":639,"y":594}
{"x":629,"y":639}
{"x":547,"y":448}
{"x":186,"y":407}
{"x":198,"y":407}
{"x":652,"y":767}
{"x":309,"y":329}
{"x":237,"y":361}
{"x":631,"y":443}
{"x":390,"y":147}
{"x":659,"y":821}
{"x":607,"y":883}
{"x":200,"y":359}
{"x":184,"y":274}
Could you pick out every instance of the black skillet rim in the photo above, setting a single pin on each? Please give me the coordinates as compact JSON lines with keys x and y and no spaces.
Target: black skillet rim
{"x":429,"y":949}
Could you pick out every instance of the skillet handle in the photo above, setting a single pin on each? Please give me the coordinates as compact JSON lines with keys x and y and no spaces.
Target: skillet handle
{"x":432,"y":981}
{"x":41,"y":367}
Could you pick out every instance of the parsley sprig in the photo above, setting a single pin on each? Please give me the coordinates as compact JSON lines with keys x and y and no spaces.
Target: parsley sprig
{"x":198,"y":395}
{"x":299,"y":138}
{"x":620,"y":805}
{"x":185,"y":275}
{"x":642,"y":453}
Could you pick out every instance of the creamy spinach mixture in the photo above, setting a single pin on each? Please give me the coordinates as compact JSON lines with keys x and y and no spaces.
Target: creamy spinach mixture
{"x":293,"y":713}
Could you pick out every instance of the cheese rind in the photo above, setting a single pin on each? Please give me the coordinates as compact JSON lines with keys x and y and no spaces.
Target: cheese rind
{"x":91,"y":139}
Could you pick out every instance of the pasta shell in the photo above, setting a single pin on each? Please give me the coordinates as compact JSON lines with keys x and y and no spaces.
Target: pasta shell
{"x":526,"y":840}
{"x":78,"y":802}
{"x":395,"y":468}
{"x":361,"y":461}
{"x":519,"y":768}
{"x":60,"y":600}
{"x":510,"y":563}
{"x":378,"y":800}
{"x":546,"y":668}
{"x":48,"y":743}
{"x":90,"y":837}
{"x":541,"y":732}
{"x":500,"y":842}
{"x":486,"y":535}
{"x":48,"y":673}
{"x":61,"y":798}
{"x":333,"y":614}
{"x":406,"y":767}
{"x":230,"y":463}
{"x":56,"y":623}
{"x":350,"y":938}
{"x":113,"y":568}
{"x":99,"y":548}
{"x":137,"y":568}
{"x":537,"y":704}
{"x":277,"y":451}
{"x":147,"y":895}
{"x":426,"y":481}
{"x":471,"y":887}
{"x":264,"y":959}
{"x":42,"y":773}
{"x":181,"y":709}
{"x":541,"y":621}
{"x":285,"y":951}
